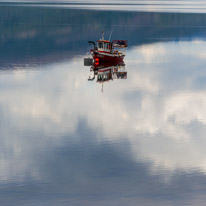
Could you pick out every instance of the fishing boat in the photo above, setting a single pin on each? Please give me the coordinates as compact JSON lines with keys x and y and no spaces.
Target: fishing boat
{"x":106,"y":50}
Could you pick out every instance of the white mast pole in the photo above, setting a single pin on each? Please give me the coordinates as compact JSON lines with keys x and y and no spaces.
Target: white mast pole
{"x":102,"y":35}
{"x":110,"y":35}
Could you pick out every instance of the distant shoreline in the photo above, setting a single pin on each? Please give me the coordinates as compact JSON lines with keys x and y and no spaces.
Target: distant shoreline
{"x":168,"y":6}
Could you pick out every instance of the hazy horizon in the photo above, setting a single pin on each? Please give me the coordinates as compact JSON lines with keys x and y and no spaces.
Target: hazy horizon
{"x":169,"y":6}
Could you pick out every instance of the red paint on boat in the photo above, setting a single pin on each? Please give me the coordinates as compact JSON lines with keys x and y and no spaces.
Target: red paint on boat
{"x":105,"y":51}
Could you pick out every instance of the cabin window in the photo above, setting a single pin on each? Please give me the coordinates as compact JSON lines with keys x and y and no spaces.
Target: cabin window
{"x":100,"y":45}
{"x":109,"y":46}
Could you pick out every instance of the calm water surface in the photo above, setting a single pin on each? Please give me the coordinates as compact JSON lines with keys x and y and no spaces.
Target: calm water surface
{"x":69,"y":141}
{"x":192,"y":6}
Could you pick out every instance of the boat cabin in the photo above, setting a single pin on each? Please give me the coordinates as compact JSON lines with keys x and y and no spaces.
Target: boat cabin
{"x":104,"y":45}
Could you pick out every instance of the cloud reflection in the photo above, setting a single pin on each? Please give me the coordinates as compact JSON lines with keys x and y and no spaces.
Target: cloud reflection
{"x":156,"y":118}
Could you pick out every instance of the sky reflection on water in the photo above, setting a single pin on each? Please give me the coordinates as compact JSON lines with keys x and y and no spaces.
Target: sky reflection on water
{"x":140,"y":140}
{"x":65,"y":142}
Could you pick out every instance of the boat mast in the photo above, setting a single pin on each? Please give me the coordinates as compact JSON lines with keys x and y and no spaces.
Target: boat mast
{"x":110,"y":35}
{"x":102,"y":35}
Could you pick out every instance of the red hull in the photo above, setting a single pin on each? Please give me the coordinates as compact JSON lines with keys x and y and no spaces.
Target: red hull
{"x":105,"y":57}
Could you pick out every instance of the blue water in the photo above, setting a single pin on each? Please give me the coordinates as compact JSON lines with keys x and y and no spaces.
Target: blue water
{"x":133,"y":141}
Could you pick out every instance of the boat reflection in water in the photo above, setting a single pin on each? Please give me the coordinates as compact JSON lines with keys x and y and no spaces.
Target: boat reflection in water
{"x":106,"y":71}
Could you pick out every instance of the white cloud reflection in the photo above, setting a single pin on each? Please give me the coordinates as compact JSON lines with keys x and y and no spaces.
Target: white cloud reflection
{"x":160,"y":109}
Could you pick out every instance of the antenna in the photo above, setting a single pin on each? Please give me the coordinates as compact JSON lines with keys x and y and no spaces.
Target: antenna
{"x":110,"y":34}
